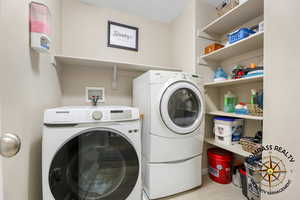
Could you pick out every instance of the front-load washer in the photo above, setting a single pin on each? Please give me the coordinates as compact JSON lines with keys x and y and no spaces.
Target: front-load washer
{"x":173,"y":130}
{"x":91,"y":153}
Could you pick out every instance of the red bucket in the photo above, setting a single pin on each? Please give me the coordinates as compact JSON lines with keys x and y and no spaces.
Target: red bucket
{"x":219,"y":165}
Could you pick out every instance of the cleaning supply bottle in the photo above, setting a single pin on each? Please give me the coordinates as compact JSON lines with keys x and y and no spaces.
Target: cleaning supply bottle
{"x":253,"y":96}
{"x":229,"y":102}
{"x":220,"y":75}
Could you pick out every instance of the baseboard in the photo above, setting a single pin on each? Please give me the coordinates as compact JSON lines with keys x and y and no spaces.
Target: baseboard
{"x":205,"y":171}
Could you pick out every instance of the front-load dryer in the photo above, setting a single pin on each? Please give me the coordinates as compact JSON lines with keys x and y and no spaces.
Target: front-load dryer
{"x":91,"y":153}
{"x":173,"y":130}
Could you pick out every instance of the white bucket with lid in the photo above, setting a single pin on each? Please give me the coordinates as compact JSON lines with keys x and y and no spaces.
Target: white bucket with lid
{"x":228,"y":130}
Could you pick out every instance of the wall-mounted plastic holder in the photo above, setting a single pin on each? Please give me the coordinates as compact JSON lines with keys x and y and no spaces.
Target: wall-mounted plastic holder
{"x":40,"y":27}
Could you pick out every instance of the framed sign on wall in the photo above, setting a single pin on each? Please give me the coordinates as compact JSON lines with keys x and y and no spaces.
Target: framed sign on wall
{"x":122,"y":36}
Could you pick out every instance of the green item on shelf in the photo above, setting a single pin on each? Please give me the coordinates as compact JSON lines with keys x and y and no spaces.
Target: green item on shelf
{"x":253,"y":96}
{"x":229,"y":102}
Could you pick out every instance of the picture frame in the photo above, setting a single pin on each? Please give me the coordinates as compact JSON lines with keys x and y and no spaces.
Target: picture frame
{"x":122,"y":36}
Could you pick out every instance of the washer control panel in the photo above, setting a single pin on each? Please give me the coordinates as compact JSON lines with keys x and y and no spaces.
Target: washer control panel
{"x":120,"y":114}
{"x":97,"y":115}
{"x":76,"y":115}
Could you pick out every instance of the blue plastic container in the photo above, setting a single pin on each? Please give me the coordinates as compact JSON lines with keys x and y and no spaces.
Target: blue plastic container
{"x":241,"y":112}
{"x":239,"y":35}
{"x":220,"y":75}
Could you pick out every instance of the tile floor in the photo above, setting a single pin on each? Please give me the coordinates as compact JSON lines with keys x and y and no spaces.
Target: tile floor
{"x":210,"y":191}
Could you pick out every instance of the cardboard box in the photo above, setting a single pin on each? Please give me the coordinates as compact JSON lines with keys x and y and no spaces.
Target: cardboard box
{"x":212,"y":47}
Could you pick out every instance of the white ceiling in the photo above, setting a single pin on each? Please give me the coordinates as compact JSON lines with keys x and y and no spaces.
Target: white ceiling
{"x":160,"y":10}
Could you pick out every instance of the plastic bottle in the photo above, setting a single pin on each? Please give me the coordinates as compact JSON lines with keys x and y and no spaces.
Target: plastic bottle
{"x":229,"y":102}
{"x":220,"y":75}
{"x":253,"y":96}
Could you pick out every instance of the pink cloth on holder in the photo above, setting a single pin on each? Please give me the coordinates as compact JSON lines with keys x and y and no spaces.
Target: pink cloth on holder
{"x":39,"y":18}
{"x":40,"y":27}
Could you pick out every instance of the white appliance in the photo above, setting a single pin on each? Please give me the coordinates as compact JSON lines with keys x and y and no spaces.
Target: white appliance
{"x":173,"y":131}
{"x":92,"y":153}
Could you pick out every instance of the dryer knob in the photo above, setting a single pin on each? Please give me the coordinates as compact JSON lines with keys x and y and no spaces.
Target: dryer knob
{"x":97,"y":115}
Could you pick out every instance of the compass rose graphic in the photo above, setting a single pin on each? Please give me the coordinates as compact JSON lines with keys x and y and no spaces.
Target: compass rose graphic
{"x":273,"y":171}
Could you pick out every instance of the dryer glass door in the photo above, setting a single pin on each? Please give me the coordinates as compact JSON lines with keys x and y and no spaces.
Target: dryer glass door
{"x":181,"y":107}
{"x":96,"y":165}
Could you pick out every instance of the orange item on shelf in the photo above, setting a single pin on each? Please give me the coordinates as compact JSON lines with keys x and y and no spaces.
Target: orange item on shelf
{"x":212,"y":47}
{"x":252,"y":66}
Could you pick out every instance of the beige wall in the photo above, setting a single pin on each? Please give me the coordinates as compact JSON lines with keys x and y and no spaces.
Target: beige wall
{"x":281,"y":85}
{"x":76,"y":78}
{"x":204,"y":14}
{"x":29,"y":84}
{"x":85,"y":35}
{"x":183,"y":33}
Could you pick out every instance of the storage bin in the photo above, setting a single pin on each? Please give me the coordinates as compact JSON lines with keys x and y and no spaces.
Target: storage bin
{"x":249,"y":145}
{"x":255,"y":110}
{"x":254,"y":178}
{"x":219,"y":165}
{"x":212,"y":47}
{"x":226,"y":6}
{"x":228,"y":130}
{"x":239,"y":35}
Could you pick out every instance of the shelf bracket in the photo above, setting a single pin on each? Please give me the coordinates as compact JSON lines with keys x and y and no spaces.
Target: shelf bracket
{"x":114,"y":78}
{"x":205,"y":64}
{"x":53,"y":61}
{"x":202,"y":35}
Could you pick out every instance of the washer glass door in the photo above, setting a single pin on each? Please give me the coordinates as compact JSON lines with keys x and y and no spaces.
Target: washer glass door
{"x":96,"y":165}
{"x":181,"y":107}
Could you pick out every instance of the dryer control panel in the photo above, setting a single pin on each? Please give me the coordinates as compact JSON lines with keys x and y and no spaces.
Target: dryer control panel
{"x":76,"y":115}
{"x":160,"y":77}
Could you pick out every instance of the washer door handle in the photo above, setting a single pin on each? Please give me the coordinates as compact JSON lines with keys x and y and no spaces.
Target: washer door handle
{"x":10,"y":145}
